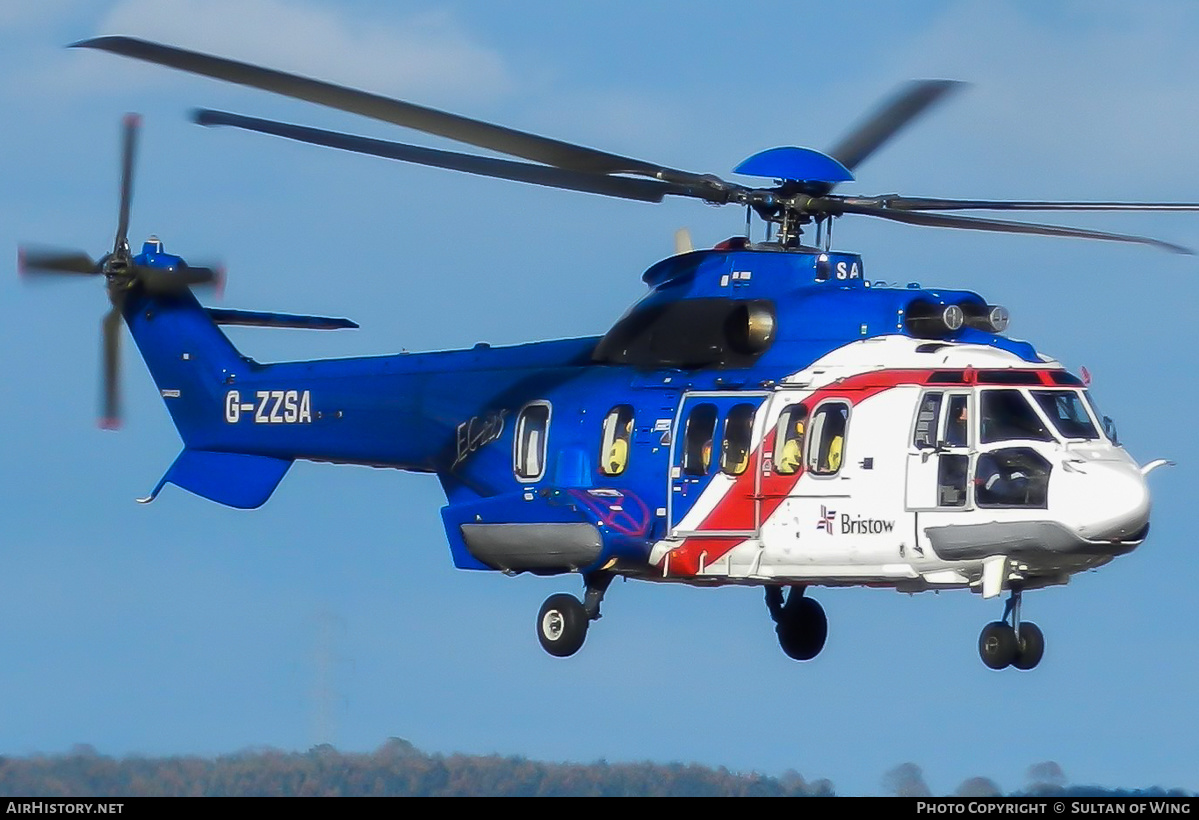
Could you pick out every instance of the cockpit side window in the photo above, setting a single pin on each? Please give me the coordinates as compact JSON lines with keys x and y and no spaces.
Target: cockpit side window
{"x":788,"y":440}
{"x":738,"y":431}
{"x":957,"y":421}
{"x":1007,"y":415}
{"x":532,"y":429}
{"x":925,"y":435}
{"x":1109,"y":426}
{"x":1066,"y":410}
{"x":826,"y":442}
{"x":618,"y":433}
{"x":697,"y":440}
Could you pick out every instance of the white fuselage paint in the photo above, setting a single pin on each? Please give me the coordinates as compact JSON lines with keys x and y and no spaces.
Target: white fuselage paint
{"x":869,"y":522}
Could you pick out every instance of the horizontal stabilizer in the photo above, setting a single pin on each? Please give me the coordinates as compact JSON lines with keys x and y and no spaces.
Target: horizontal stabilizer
{"x":254,"y":318}
{"x":233,"y":479}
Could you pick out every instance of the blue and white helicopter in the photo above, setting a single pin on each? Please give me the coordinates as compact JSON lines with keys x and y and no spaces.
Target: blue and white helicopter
{"x":762,"y":416}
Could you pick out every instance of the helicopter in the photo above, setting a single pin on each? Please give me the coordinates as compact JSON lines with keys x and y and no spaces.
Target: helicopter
{"x":765,"y":415}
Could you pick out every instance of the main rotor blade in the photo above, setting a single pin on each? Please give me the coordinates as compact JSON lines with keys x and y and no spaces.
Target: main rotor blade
{"x":887,"y":120}
{"x":908,"y":203}
{"x":128,"y":149}
{"x":835,"y":206}
{"x":40,"y":261}
{"x":110,"y":418}
{"x":430,"y":120}
{"x":645,"y":190}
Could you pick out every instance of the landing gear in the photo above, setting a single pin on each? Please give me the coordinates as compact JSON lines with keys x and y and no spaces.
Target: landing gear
{"x":562,"y":625}
{"x":563,"y":620}
{"x":1016,"y":644}
{"x":801,"y":624}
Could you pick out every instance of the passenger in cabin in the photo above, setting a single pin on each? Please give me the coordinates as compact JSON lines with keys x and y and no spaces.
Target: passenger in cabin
{"x":834,"y":452}
{"x":618,"y":453}
{"x":792,"y":455}
{"x":706,"y":456}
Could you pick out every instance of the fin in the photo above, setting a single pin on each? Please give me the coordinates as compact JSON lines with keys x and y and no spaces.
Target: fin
{"x":233,"y":479}
{"x":253,"y":318}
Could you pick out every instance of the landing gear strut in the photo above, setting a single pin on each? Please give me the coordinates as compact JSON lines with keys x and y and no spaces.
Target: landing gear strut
{"x":563,"y":620}
{"x":1016,"y":644}
{"x":801,"y":624}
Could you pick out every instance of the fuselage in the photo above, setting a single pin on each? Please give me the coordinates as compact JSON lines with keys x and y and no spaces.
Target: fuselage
{"x":759,"y":417}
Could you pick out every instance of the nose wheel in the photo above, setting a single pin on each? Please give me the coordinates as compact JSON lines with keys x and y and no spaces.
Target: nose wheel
{"x":800,"y":622}
{"x":1003,"y":644}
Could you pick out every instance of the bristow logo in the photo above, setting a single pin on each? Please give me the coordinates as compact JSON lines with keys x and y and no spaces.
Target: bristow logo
{"x":865,"y":526}
{"x":827,"y":517}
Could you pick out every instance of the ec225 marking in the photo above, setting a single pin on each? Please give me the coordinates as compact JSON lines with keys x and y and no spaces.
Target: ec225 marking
{"x":270,"y":407}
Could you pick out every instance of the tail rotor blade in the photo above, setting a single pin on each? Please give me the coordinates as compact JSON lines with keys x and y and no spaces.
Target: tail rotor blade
{"x":131,"y":124}
{"x":110,"y":330}
{"x":38,"y":261}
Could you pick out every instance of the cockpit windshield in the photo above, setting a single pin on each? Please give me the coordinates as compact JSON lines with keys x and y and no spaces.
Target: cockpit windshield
{"x":1109,"y":426}
{"x":1007,"y":415}
{"x":1067,"y":412}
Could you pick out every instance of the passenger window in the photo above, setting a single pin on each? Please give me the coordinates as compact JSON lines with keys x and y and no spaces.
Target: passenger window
{"x":925,"y":437}
{"x":788,"y":440}
{"x":738,"y":430}
{"x":697,"y":440}
{"x":532,"y":429}
{"x":826,"y":443}
{"x":618,"y":434}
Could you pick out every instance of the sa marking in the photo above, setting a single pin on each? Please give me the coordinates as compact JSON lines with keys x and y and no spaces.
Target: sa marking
{"x":270,"y":407}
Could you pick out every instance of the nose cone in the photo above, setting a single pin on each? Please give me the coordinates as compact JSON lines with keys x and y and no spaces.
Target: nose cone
{"x":1106,"y":501}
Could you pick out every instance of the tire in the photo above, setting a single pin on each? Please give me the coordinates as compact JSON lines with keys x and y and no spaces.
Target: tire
{"x":1031,"y":647}
{"x":562,"y":625}
{"x":997,"y":645}
{"x":803,"y":629}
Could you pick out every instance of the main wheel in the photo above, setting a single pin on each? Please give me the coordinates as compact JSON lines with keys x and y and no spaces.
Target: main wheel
{"x":562,"y":625}
{"x":1031,"y":646}
{"x":997,"y":645}
{"x":803,"y":629}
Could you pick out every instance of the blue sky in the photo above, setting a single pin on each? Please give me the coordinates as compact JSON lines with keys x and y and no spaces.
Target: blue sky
{"x":334,"y":614}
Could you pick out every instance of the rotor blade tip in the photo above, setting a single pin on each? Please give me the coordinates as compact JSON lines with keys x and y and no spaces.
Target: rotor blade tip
{"x":132,"y":120}
{"x":110,"y":423}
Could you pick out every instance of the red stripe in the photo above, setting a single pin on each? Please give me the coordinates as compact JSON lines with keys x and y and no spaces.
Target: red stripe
{"x":736,"y":509}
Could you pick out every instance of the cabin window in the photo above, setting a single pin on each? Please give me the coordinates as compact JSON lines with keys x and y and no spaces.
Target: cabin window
{"x":738,"y":432}
{"x":532,"y":430}
{"x":1015,"y":477}
{"x":826,"y":441}
{"x":788,"y":440}
{"x":618,"y":435}
{"x":1007,"y":415}
{"x":697,"y":439}
{"x":1066,"y":410}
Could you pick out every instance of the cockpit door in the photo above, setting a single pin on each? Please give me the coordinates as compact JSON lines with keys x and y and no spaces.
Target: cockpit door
{"x":942,"y":439}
